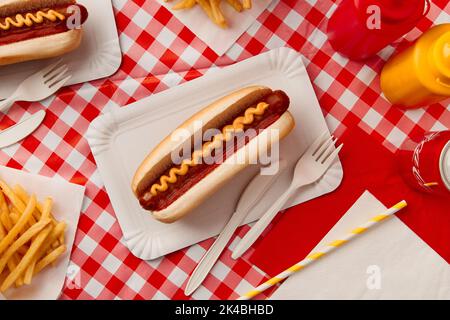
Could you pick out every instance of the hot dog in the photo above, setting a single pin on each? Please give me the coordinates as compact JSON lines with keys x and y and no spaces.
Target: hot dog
{"x":171,"y":190}
{"x":39,"y":29}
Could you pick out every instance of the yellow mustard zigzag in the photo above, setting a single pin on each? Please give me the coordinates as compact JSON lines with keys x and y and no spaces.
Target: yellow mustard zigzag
{"x":208,"y":147}
{"x":29,"y":19}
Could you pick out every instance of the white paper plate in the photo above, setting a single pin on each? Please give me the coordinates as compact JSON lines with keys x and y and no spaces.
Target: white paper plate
{"x":121,"y":139}
{"x":68,"y":199}
{"x":99,"y":55}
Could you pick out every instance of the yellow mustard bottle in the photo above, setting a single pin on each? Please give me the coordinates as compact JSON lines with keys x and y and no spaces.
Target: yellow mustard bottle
{"x":420,"y":75}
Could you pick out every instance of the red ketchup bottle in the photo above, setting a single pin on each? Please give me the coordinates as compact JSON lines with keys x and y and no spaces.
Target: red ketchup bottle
{"x":359,"y":29}
{"x":424,"y":163}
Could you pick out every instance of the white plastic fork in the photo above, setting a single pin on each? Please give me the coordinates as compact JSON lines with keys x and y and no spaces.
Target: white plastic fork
{"x":311,"y":167}
{"x":39,"y":86}
{"x":253,"y":193}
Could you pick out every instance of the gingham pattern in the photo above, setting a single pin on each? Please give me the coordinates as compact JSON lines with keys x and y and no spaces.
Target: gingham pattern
{"x":159,"y":53}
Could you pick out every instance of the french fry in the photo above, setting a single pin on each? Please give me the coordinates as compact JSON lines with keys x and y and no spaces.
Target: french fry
{"x":217,"y":13}
{"x":9,"y":193}
{"x":236,"y":4}
{"x":205,"y":5}
{"x":11,"y":262}
{"x":4,"y":213}
{"x":21,"y":241}
{"x":12,"y":234}
{"x":3,"y":276}
{"x":50,"y":258}
{"x":2,"y":231}
{"x":19,"y":283}
{"x":247,"y":4}
{"x":2,"y":227}
{"x":56,"y":232}
{"x":62,"y":238}
{"x":47,"y":208}
{"x":29,"y":273}
{"x":185,"y":4}
{"x":2,"y":201}
{"x":45,"y":214}
{"x":7,"y":224}
{"x":6,"y":220}
{"x":16,"y":202}
{"x":23,"y":195}
{"x":14,"y":216}
{"x":26,"y":260}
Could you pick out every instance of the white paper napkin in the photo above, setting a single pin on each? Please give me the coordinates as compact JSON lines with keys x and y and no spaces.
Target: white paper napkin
{"x":218,"y":39}
{"x":68,"y":200}
{"x":388,"y":262}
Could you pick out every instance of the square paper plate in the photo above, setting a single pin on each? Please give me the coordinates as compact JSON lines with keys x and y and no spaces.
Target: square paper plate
{"x":68,"y":199}
{"x":121,"y":139}
{"x":99,"y":55}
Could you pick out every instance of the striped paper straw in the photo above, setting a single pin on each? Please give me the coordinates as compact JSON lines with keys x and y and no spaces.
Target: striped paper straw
{"x":319,"y":254}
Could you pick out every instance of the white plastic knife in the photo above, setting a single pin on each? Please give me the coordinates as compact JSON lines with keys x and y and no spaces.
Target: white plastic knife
{"x":254,"y":191}
{"x":21,"y":130}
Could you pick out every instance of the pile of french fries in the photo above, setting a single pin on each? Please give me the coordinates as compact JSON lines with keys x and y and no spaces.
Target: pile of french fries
{"x":30,"y":237}
{"x":212,"y":8}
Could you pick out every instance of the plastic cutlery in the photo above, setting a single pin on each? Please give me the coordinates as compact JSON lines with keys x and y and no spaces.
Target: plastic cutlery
{"x":39,"y":86}
{"x":311,"y":167}
{"x":254,"y":191}
{"x":21,"y":130}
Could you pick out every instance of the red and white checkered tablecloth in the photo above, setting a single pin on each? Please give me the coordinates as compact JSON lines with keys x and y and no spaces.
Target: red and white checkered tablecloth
{"x":159,"y":53}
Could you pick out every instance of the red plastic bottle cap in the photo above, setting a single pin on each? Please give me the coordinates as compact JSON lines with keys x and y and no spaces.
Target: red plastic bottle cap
{"x":394,"y":10}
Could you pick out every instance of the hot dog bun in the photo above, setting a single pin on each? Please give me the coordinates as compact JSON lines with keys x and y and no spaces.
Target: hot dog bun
{"x":212,"y":117}
{"x":40,"y":47}
{"x":222,"y":174}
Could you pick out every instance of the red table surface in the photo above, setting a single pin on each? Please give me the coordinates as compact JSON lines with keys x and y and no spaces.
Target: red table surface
{"x":367,"y":166}
{"x":158,"y":53}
